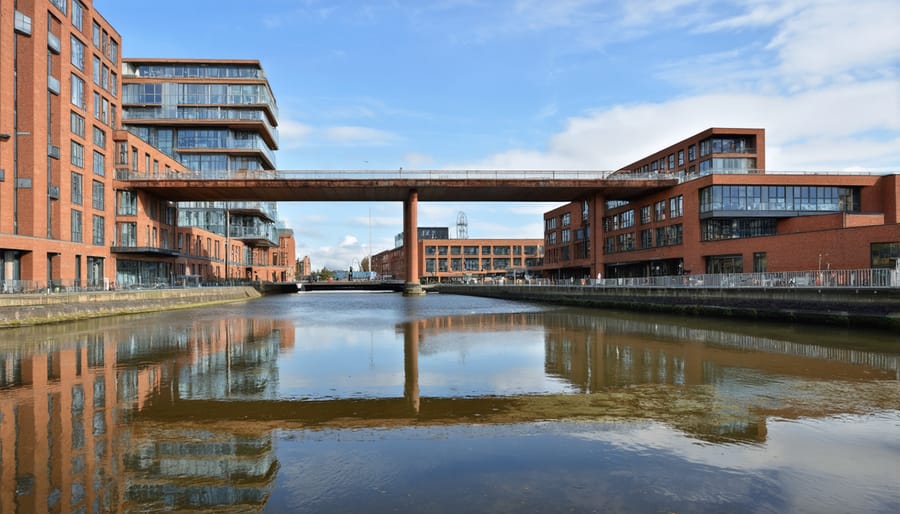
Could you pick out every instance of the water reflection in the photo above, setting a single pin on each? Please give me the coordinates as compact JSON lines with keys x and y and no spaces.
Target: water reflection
{"x":137,"y":414}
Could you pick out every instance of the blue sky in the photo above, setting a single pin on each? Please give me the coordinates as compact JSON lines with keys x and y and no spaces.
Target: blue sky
{"x":530,"y":84}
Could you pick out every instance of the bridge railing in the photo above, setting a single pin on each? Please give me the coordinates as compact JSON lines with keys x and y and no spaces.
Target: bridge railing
{"x":371,"y":175}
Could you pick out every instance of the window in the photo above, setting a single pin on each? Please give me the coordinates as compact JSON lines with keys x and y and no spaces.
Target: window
{"x":96,"y":35}
{"x":77,"y":156}
{"x":104,"y":78}
{"x":127,"y":234}
{"x":885,"y":255}
{"x":566,"y":219}
{"x":646,"y":238}
{"x":759,"y":262}
{"x":585,"y":210}
{"x":113,"y":84}
{"x":76,"y":188}
{"x":671,"y":161}
{"x":681,"y":157}
{"x":566,"y":235}
{"x":716,"y":229}
{"x":77,"y":124}
{"x":98,"y":229}
{"x":77,"y":53}
{"x":96,"y":69}
{"x":725,"y":264}
{"x":77,"y":91}
{"x":76,"y":230}
{"x":660,"y":210}
{"x":676,"y":206}
{"x":645,"y":214}
{"x":99,"y":137}
{"x":692,"y":152}
{"x":60,"y":4}
{"x":134,"y":159}
{"x":99,"y":163}
{"x":626,"y":219}
{"x":126,"y":203}
{"x":550,"y":223}
{"x":97,"y":105}
{"x":97,"y":195}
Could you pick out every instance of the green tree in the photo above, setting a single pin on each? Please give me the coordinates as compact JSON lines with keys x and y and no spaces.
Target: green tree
{"x":325,"y":274}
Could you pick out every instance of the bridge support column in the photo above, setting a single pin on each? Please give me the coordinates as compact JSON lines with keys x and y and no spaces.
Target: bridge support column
{"x":412,"y":287}
{"x":411,"y":365}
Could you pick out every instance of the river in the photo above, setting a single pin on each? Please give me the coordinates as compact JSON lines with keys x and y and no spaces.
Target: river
{"x":373,"y":402}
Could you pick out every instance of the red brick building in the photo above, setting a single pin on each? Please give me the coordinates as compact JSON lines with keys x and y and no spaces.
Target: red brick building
{"x":65,"y":219}
{"x":726,"y":215}
{"x":444,"y":260}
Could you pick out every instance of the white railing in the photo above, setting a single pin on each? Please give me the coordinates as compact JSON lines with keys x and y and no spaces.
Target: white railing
{"x":830,"y":278}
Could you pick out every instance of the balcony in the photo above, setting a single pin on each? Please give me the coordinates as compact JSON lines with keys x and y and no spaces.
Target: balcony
{"x":149,"y":251}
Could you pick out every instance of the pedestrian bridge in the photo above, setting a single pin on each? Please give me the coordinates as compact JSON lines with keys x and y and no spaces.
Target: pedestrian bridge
{"x":409,"y":187}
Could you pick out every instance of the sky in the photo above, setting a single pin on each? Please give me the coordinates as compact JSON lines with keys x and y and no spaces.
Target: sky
{"x":536,"y":84}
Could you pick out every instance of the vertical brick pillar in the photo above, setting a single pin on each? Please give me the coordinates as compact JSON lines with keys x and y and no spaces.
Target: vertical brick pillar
{"x":411,"y":244}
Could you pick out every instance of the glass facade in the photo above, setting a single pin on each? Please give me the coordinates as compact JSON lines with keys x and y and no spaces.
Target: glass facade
{"x":779,"y":198}
{"x":185,"y":122}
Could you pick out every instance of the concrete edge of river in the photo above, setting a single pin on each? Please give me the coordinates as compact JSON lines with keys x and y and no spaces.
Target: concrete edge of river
{"x":38,"y":309}
{"x":860,"y":307}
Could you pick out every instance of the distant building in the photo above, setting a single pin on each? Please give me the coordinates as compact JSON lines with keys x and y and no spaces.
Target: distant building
{"x":726,"y":215}
{"x":444,"y":260}
{"x":425,"y":233}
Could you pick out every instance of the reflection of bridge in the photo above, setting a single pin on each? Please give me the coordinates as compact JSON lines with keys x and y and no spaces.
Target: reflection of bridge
{"x":408,"y":187}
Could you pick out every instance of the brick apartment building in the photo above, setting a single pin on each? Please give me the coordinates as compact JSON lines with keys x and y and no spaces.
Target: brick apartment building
{"x":65,"y":219}
{"x":446,"y":260}
{"x":726,"y":215}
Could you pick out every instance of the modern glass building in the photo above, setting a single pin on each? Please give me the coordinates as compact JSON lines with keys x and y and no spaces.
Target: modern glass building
{"x":216,"y":117}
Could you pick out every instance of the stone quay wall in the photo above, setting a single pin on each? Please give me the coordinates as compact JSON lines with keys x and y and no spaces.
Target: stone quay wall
{"x":863,"y":307}
{"x":18,"y":310}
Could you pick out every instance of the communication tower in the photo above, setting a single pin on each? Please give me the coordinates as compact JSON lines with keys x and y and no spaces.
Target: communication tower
{"x":462,"y":226}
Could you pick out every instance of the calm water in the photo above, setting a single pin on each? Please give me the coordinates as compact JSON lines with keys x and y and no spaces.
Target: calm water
{"x":377,"y":403}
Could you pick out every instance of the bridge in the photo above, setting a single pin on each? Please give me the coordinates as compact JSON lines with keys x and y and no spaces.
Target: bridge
{"x":409,"y":187}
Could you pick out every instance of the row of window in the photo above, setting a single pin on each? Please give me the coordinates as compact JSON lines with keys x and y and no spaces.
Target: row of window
{"x":474,"y":264}
{"x":779,"y":198}
{"x":214,"y":71}
{"x":98,"y":229}
{"x":670,"y":235}
{"x":718,"y":229}
{"x":197,"y":94}
{"x":104,"y":110}
{"x":713,"y":145}
{"x":664,"y":209}
{"x":485,"y":250}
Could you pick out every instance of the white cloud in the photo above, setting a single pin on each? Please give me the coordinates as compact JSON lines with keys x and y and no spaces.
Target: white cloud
{"x":293,"y":134}
{"x":803,"y":127}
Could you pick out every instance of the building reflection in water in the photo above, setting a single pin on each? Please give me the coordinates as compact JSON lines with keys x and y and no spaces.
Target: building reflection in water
{"x":100,"y":418}
{"x":68,"y":440}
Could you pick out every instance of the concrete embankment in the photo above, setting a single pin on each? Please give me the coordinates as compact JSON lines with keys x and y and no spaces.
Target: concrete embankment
{"x":863,"y":307}
{"x":35,"y":309}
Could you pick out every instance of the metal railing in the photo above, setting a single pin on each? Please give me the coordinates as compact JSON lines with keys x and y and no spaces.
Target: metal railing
{"x":829,"y":278}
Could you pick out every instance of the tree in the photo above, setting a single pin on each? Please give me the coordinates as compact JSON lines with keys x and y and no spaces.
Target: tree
{"x":325,"y":274}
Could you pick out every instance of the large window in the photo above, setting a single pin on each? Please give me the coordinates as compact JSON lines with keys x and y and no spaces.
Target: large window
{"x":645,"y":215}
{"x":76,"y":228}
{"x":646,"y":238}
{"x":77,"y":91}
{"x":885,"y":255}
{"x":77,"y":53}
{"x":126,"y":203}
{"x":725,"y":264}
{"x":77,"y":157}
{"x":76,"y":123}
{"x":97,"y":195}
{"x":717,"y":229}
{"x":779,"y":198}
{"x":676,"y":206}
{"x":99,"y":163}
{"x":76,"y":188}
{"x":659,"y":210}
{"x":98,"y":230}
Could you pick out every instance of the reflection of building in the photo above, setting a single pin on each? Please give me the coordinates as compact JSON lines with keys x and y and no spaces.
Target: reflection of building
{"x":464,"y":259}
{"x":70,"y":415}
{"x":726,"y":215}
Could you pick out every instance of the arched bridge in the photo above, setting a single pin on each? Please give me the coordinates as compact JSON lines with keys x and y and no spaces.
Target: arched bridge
{"x":408,"y":187}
